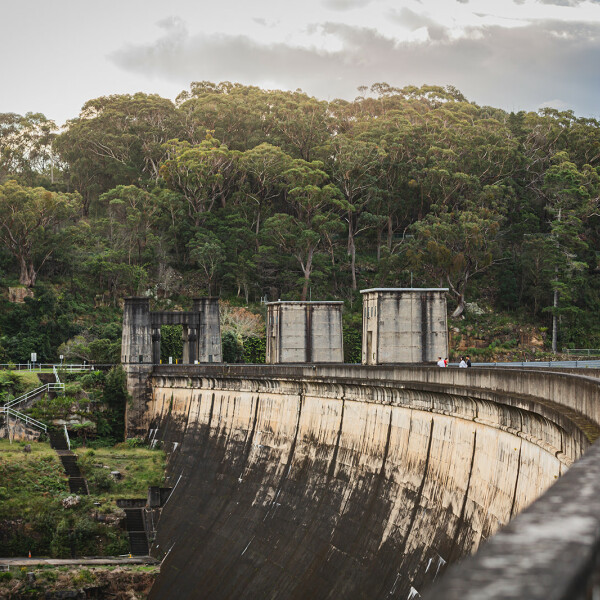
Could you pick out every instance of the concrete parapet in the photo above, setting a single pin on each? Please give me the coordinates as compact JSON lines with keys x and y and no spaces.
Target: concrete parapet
{"x":304,"y":332}
{"x":404,"y":325}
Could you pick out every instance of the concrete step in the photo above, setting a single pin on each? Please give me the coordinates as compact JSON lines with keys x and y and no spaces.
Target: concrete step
{"x":70,"y":465}
{"x":78,"y":485}
{"x":138,"y":543}
{"x":58,"y":440}
{"x":135,"y":519}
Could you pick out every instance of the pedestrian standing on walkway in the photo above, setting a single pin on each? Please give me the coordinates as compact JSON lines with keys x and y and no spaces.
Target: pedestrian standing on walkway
{"x":462,"y":364}
{"x":440,"y":362}
{"x":468,"y":361}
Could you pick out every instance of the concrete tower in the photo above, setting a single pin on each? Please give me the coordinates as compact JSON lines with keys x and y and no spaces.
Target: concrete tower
{"x":209,"y":334}
{"x":404,"y":325}
{"x":304,"y":332}
{"x":136,"y":342}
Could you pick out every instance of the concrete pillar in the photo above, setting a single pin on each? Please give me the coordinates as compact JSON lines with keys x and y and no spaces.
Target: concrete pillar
{"x":136,"y":341}
{"x":156,"y":346}
{"x":136,"y":357}
{"x":186,"y":345}
{"x":192,"y":345}
{"x":209,"y":332}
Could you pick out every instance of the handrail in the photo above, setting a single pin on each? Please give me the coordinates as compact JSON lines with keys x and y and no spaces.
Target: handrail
{"x":47,"y":387}
{"x":47,"y":367}
{"x":23,"y":417}
{"x":55,"y":374}
{"x":67,"y":436}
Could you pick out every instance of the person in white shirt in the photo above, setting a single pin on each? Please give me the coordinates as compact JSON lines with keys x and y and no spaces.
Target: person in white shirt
{"x":463,"y":364}
{"x":441,"y":362}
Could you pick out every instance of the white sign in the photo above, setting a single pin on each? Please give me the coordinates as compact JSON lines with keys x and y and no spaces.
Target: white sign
{"x":170,"y":360}
{"x":33,"y":357}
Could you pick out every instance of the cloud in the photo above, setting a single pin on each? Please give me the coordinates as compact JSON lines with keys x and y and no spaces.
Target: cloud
{"x":345,"y":4}
{"x":513,"y":68}
{"x":413,"y":21}
{"x":567,"y":2}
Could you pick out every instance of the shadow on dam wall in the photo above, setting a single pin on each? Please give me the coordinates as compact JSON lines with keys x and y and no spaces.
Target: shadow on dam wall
{"x":349,"y":482}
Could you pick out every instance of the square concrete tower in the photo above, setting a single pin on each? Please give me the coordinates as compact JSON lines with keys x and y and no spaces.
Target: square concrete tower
{"x":404,"y":325}
{"x":304,"y":332}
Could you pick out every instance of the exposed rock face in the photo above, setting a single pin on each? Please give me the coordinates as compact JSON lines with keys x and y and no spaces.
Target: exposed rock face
{"x":18,"y":294}
{"x":349,"y":483}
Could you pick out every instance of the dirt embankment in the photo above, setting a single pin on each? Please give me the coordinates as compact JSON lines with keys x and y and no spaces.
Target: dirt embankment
{"x":58,"y":583}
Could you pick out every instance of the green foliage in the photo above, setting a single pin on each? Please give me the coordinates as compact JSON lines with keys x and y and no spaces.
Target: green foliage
{"x":233,"y":348}
{"x":100,"y":482}
{"x":171,"y":343}
{"x":254,"y":350}
{"x":115,"y":396}
{"x":352,"y":343}
{"x":245,"y":193}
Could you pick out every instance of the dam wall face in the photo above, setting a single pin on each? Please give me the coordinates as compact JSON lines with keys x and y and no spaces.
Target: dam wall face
{"x":347,"y":481}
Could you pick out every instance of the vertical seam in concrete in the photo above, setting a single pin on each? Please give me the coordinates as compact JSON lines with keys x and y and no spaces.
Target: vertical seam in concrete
{"x":208,"y":425}
{"x":331,"y":469}
{"x":512,"y":506}
{"x":377,"y":341}
{"x":279,"y":338}
{"x":419,"y":495}
{"x":424,"y":328}
{"x":252,"y":432}
{"x":288,"y":464}
{"x":461,"y":519}
{"x":308,"y":333}
{"x":360,"y":536}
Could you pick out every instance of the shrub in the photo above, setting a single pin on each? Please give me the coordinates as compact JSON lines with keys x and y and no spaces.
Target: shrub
{"x":100,"y":481}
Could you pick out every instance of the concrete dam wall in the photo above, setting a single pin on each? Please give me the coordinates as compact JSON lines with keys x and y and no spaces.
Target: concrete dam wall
{"x":348,"y":481}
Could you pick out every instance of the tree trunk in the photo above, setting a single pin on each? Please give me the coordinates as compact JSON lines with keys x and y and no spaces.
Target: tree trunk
{"x":460,"y":308}
{"x":555,"y":302}
{"x":27,"y":275}
{"x":555,"y":322}
{"x":307,"y":272}
{"x":352,"y":248}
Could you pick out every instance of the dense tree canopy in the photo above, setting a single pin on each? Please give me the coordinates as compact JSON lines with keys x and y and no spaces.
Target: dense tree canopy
{"x":246,"y":193}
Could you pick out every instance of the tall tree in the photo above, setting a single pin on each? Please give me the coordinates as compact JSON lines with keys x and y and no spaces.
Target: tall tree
{"x":573,"y":197}
{"x":205,"y":174}
{"x":29,"y":220}
{"x":455,"y":245}
{"x":315,"y":211}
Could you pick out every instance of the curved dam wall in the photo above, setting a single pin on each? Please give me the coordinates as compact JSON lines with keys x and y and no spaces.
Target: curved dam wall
{"x":349,"y":481}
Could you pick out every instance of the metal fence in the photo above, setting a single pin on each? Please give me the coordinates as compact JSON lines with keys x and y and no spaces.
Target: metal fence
{"x":36,"y":367}
{"x":563,"y":364}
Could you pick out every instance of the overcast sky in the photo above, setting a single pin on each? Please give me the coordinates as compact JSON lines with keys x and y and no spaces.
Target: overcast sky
{"x":514,"y":54}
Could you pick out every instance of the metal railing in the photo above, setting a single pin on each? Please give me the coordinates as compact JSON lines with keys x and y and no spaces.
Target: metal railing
{"x":57,"y":378}
{"x":47,"y":387}
{"x":15,"y":414}
{"x":70,"y":368}
{"x":582,"y":351}
{"x":572,"y":364}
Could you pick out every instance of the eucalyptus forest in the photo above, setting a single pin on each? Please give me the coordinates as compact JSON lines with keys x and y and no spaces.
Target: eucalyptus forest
{"x":252,"y":194}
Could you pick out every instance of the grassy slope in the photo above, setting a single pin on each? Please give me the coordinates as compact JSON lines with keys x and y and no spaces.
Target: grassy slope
{"x":33,"y":486}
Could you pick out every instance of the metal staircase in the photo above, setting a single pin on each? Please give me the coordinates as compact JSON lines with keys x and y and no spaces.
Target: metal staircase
{"x":9,"y":410}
